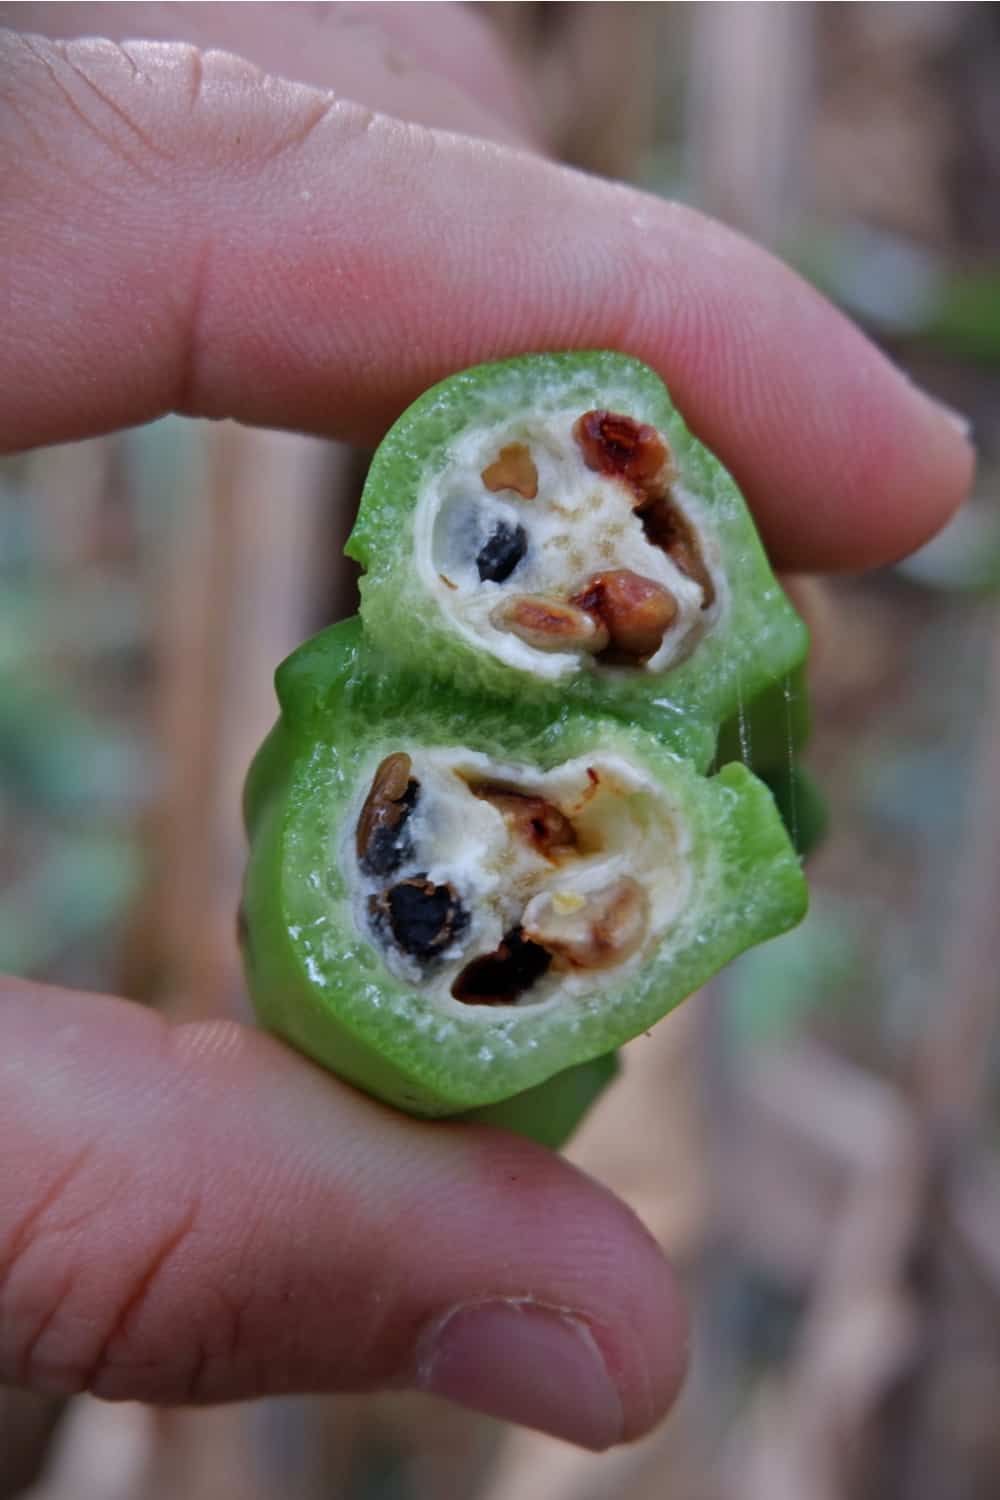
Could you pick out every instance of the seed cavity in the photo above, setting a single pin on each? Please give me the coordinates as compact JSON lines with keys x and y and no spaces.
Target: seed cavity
{"x":502,"y":977}
{"x":382,"y":837}
{"x":550,"y":624}
{"x":606,"y":928}
{"x":513,"y":470}
{"x":633,"y":451}
{"x":636,"y":612}
{"x":530,"y":818}
{"x":666,"y":526}
{"x":424,"y":918}
{"x":501,"y":552}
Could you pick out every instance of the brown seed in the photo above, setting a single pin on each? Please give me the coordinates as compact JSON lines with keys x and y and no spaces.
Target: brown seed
{"x":502,"y":977}
{"x":380,"y":837}
{"x":630,"y":450}
{"x":592,"y":931}
{"x":513,"y":470}
{"x":550,"y":624}
{"x":666,"y":526}
{"x":531,"y":818}
{"x":636,"y":611}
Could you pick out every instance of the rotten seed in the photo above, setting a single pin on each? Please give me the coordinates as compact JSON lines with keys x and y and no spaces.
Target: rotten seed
{"x":635,"y":611}
{"x":381,"y":838}
{"x":550,"y":624}
{"x":629,"y":450}
{"x":590,"y":931}
{"x":502,"y":977}
{"x":666,"y":526}
{"x":424,"y":918}
{"x":531,"y":818}
{"x":501,"y":553}
{"x":513,"y":470}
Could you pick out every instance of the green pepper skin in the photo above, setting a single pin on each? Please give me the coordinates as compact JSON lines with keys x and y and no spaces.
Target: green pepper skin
{"x":320,"y":983}
{"x":758,"y":639}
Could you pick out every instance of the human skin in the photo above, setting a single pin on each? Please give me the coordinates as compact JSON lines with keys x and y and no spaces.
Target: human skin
{"x":196,"y":1213}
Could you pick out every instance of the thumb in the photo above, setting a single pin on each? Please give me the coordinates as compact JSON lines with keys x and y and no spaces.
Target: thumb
{"x":196,"y":1214}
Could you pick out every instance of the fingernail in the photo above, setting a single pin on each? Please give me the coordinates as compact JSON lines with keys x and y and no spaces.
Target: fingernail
{"x":955,"y":419}
{"x":961,"y":423}
{"x":537,"y":1366}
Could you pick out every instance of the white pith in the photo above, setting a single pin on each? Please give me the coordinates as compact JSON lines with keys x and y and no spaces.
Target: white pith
{"x":625,"y":825}
{"x":580,"y":523}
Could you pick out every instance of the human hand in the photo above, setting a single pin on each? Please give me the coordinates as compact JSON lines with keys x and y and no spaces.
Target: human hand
{"x":197,"y":1214}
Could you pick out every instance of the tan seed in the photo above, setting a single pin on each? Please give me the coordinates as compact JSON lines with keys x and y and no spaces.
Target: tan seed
{"x":635,"y":611}
{"x":514,"y":470}
{"x":549,"y":624}
{"x":606,"y":928}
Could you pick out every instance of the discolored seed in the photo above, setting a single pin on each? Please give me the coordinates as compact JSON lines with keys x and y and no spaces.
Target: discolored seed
{"x":424,"y":918}
{"x":636,"y":612}
{"x":381,"y":838}
{"x":502,"y":977}
{"x":513,"y":470}
{"x":633,"y":451}
{"x":550,"y":624}
{"x":530,"y":818}
{"x":595,"y":930}
{"x":666,"y":526}
{"x":501,"y":553}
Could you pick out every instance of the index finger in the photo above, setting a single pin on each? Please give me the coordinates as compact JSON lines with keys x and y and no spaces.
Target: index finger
{"x":183,"y":232}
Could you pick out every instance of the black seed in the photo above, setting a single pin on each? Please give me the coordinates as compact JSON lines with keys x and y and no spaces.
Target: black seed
{"x":501,"y":553}
{"x":424,"y":918}
{"x":502,"y":977}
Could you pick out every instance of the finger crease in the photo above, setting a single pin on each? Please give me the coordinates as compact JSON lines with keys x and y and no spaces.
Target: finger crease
{"x":140,"y":1294}
{"x":24,"y":1232}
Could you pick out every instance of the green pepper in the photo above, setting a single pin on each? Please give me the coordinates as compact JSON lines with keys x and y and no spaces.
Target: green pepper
{"x":451,"y":901}
{"x":546,"y":529}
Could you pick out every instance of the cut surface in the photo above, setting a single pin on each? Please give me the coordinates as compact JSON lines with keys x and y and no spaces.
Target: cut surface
{"x":518,"y":887}
{"x":483,"y":547}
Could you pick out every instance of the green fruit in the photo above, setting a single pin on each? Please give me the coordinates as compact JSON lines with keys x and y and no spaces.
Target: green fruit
{"x":357,"y":949}
{"x":485,"y":495}
{"x":483,"y":850}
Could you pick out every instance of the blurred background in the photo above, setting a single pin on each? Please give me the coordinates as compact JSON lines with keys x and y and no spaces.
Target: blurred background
{"x":815,"y":1139}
